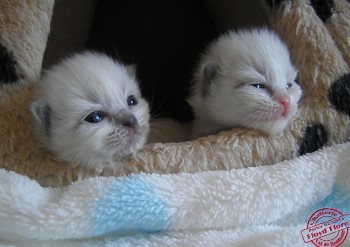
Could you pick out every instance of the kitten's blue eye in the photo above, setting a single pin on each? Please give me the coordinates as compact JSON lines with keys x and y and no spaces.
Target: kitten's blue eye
{"x":259,"y":85}
{"x":94,"y":117}
{"x":289,"y":85}
{"x":131,"y":100}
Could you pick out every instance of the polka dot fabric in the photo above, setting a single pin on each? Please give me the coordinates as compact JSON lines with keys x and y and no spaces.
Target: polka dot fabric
{"x":8,"y":66}
{"x":317,"y":34}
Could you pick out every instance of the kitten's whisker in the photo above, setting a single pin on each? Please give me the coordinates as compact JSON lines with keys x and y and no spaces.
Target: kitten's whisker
{"x":258,"y":121}
{"x":162,"y":131}
{"x":155,"y":110}
{"x":252,"y":116}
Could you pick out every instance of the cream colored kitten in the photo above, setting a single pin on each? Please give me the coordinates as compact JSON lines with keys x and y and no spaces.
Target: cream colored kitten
{"x":245,"y":79}
{"x":89,"y":111}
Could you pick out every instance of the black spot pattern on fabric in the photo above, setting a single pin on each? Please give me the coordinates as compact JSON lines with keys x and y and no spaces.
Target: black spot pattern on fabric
{"x":274,"y":4}
{"x":8,"y":64}
{"x":323,"y":8}
{"x":315,"y":137}
{"x":339,"y":94}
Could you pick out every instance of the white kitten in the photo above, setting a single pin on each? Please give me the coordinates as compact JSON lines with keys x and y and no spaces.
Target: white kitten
{"x":89,"y":111}
{"x":245,"y":79}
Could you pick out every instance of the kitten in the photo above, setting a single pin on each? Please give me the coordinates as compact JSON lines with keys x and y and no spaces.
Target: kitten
{"x":89,"y":111}
{"x":245,"y":79}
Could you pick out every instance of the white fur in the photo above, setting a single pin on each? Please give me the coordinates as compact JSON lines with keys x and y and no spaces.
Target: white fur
{"x":244,"y":58}
{"x":77,"y":86}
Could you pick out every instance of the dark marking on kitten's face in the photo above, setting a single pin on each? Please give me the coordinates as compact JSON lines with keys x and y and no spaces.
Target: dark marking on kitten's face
{"x":210,"y":72}
{"x":47,"y":120}
{"x":42,"y":112}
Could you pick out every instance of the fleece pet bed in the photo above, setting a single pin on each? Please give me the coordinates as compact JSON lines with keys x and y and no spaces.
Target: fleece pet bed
{"x":260,"y":206}
{"x":317,"y":33}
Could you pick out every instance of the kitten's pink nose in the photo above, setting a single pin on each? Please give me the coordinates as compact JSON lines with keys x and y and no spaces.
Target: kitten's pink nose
{"x":285,"y":104}
{"x":284,"y":99}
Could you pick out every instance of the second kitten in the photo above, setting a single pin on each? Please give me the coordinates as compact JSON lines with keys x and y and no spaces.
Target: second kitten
{"x":245,"y":79}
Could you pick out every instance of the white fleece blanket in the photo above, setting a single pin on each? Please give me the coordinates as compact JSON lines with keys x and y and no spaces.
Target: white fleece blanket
{"x":258,"y":206}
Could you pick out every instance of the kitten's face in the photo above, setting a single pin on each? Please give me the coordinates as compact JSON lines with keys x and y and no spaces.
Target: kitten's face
{"x":95,"y":113}
{"x":246,"y":80}
{"x":257,"y":102}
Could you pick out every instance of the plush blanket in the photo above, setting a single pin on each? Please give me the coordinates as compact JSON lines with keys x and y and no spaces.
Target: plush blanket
{"x":260,"y":206}
{"x":205,"y":202}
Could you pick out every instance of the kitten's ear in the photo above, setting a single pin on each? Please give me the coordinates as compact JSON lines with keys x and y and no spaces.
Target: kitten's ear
{"x":42,"y":113}
{"x":131,"y":70}
{"x":209,"y":73}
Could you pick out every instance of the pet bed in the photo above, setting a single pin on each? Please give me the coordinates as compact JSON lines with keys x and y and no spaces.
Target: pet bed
{"x":317,"y":34}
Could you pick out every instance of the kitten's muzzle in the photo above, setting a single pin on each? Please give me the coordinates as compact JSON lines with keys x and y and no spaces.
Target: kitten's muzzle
{"x":284,"y":100}
{"x":127,"y":119}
